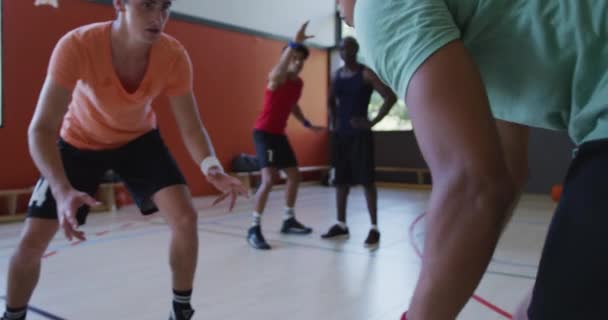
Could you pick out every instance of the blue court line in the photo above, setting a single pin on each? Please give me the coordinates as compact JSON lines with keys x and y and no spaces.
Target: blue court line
{"x":510,"y":275}
{"x":217,"y":221}
{"x":99,"y":241}
{"x":514,"y":264}
{"x":41,"y":312}
{"x":106,"y":239}
{"x":341,"y":250}
{"x":530,"y":221}
{"x":109,"y":239}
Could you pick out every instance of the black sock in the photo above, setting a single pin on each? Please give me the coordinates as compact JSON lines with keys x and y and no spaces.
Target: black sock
{"x":15,"y":313}
{"x":181,"y":300}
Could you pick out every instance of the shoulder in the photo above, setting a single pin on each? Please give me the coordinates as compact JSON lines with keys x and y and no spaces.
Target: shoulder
{"x":299,"y":83}
{"x":337,"y":73}
{"x":368,"y":74}
{"x":365,"y":69}
{"x":172,"y":47}
{"x":295,"y":82}
{"x":87,"y":34}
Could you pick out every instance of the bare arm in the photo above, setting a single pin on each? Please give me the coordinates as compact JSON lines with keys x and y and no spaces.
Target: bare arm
{"x":387,"y":94}
{"x":298,"y":114}
{"x":472,"y":188}
{"x":331,"y":105}
{"x":191,"y":128}
{"x":199,"y":146}
{"x":42,"y":134}
{"x":296,"y":111}
{"x":278,"y":74}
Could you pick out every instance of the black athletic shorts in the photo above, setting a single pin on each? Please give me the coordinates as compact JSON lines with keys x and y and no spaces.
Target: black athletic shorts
{"x":144,"y":165}
{"x":353,"y":158}
{"x":573,"y":272}
{"x":273,"y":150}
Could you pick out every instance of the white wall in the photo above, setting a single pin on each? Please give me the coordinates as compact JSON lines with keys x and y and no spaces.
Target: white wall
{"x":276,"y":17}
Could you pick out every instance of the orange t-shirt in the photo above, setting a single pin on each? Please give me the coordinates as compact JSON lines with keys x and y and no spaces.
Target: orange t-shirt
{"x":102,"y":114}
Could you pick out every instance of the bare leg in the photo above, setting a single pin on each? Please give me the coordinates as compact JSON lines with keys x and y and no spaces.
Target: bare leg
{"x":261,"y":196}
{"x":293,"y":182}
{"x":24,"y":268}
{"x":371,"y":196}
{"x":342,"y":192}
{"x":176,"y":203}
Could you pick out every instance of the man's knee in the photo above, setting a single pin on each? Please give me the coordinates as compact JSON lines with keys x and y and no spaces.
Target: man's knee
{"x":266,"y":185}
{"x":186,"y":219}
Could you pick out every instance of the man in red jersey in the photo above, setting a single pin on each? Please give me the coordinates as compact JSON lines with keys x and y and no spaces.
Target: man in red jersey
{"x":273,"y":150}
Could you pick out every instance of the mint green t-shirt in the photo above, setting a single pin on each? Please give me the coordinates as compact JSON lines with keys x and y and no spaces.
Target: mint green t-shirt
{"x":544,"y":62}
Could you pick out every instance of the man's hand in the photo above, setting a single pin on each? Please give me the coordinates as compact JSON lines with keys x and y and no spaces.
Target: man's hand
{"x":229,"y":186}
{"x":68,"y":203}
{"x":301,"y":36}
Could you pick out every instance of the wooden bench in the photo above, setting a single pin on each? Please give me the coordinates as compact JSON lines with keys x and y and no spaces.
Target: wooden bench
{"x":246,"y":178}
{"x":106,"y":194}
{"x":420,"y":172}
{"x":10,"y":199}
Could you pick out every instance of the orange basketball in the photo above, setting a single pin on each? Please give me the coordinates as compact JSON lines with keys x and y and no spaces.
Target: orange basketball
{"x":123,"y":197}
{"x":556,"y":192}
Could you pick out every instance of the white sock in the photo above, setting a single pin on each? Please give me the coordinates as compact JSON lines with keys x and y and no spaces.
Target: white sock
{"x":342,"y":225}
{"x":257,"y":219}
{"x":17,"y":314}
{"x":375,"y":227}
{"x":289,"y":213}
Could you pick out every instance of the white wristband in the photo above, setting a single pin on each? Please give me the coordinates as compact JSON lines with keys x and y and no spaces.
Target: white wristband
{"x":209,"y":162}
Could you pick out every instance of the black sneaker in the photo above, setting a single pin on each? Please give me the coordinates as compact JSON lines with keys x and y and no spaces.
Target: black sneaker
{"x":292,"y":225}
{"x":373,"y":238}
{"x":185,"y":314}
{"x":336,"y":231}
{"x":256,"y":239}
{"x":19,"y":315}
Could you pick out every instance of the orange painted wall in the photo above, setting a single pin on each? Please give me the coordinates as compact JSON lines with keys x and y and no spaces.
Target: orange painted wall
{"x":230,"y":71}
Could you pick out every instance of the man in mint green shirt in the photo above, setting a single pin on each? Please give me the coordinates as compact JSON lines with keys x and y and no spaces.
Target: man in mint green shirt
{"x":475,"y":75}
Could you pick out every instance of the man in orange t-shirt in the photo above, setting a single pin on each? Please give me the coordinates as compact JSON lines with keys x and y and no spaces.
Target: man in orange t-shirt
{"x":102,"y":79}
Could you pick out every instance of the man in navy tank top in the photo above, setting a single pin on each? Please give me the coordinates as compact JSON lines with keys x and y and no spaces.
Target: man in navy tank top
{"x":352,"y":141}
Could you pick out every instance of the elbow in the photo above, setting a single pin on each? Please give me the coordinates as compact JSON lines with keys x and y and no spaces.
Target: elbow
{"x":392,"y":99}
{"x":479,"y":194}
{"x":494,"y":194}
{"x":36,"y":129}
{"x":272,"y":76}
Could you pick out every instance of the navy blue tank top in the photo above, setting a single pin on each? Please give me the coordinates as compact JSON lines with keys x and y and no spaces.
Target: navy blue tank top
{"x":352,"y":94}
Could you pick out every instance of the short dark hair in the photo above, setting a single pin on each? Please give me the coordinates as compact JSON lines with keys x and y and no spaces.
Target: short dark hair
{"x":351,"y":39}
{"x":301,"y":49}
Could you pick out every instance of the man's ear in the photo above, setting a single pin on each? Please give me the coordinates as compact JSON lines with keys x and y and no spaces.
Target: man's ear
{"x":119,"y":5}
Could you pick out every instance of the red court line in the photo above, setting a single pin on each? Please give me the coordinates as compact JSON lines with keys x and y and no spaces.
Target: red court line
{"x":126,"y":225}
{"x":492,"y":307}
{"x":475,"y":297}
{"x":48,"y":254}
{"x":75,"y":243}
{"x":99,"y":234}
